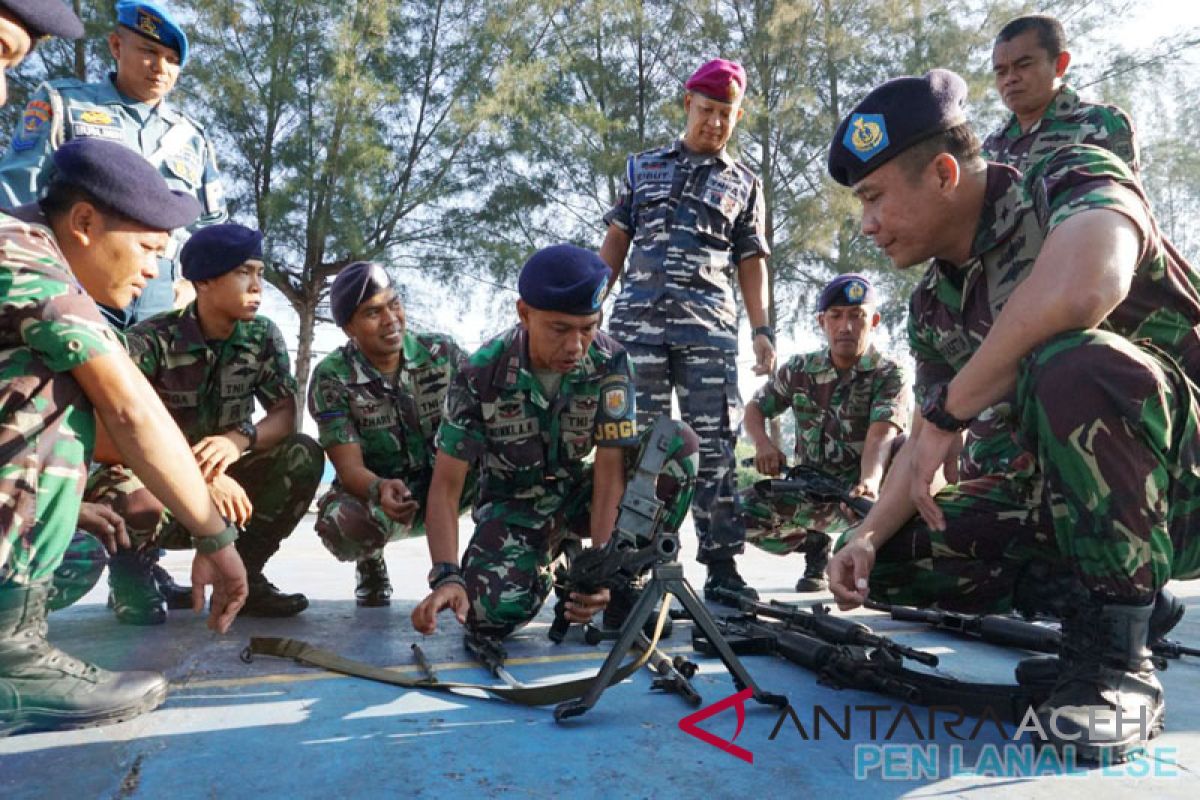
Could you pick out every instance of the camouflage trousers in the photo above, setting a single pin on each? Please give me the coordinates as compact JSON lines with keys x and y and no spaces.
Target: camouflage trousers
{"x":80,"y":570}
{"x":704,"y":379}
{"x":791,"y":523}
{"x":1104,"y":482}
{"x":508,"y":567}
{"x":279,"y":482}
{"x":356,"y":530}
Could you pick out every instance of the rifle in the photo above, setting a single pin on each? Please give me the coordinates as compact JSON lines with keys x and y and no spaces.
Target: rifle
{"x":821,"y":623}
{"x":812,"y":482}
{"x":492,"y":655}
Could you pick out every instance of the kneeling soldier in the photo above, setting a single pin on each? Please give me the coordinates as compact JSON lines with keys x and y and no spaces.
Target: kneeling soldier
{"x":377,"y":401}
{"x":209,"y":362}
{"x":528,"y":407}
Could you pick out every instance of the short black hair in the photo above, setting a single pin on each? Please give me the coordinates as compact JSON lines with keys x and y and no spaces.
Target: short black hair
{"x":60,"y":197}
{"x":960,"y":141}
{"x":1050,"y":32}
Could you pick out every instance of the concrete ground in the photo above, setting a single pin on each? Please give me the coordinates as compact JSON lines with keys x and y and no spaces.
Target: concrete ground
{"x":274,"y":728}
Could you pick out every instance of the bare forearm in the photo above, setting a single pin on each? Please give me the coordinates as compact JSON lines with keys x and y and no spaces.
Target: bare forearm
{"x":613,"y":251}
{"x":755,"y":424}
{"x":876,"y":449}
{"x":279,"y":423}
{"x":752,"y":280}
{"x":608,"y":484}
{"x":441,"y":515}
{"x":894,"y":507}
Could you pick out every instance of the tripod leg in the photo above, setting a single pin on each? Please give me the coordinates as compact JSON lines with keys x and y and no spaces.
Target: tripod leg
{"x":704,"y":621}
{"x":629,"y":633}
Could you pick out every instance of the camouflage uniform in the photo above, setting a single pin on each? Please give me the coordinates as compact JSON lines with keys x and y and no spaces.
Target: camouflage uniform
{"x":210,"y":389}
{"x":1067,"y":120}
{"x":1095,"y":459}
{"x":691,"y":219}
{"x":393,"y":420}
{"x":64,"y":109}
{"x":48,"y":327}
{"x":535,"y":489}
{"x":833,"y":412}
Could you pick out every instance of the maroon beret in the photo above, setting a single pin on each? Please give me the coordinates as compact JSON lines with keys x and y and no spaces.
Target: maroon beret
{"x":719,"y":79}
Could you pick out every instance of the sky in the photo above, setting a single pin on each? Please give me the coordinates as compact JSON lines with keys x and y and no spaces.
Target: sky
{"x":474,"y":311}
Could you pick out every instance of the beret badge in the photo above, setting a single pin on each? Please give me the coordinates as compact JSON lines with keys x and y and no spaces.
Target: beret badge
{"x":866,"y":135}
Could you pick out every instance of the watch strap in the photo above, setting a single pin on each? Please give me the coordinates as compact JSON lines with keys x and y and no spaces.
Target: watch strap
{"x":211,"y":544}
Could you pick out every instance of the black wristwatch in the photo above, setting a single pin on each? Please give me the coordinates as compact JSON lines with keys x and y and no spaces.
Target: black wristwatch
{"x":765,"y":330}
{"x":444,"y":571}
{"x":934,"y":410}
{"x":250,"y":431}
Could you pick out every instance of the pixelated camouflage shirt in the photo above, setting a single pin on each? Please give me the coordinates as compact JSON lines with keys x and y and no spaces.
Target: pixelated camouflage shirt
{"x":48,"y":326}
{"x":953,"y":308}
{"x":834,"y":409}
{"x":393,"y":419}
{"x":691,"y":218}
{"x":1067,"y":120}
{"x":211,"y":388}
{"x":530,"y":450}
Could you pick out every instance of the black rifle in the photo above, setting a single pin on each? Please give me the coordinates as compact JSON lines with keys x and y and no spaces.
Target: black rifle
{"x":824,"y":625}
{"x":492,"y":655}
{"x":814,"y":483}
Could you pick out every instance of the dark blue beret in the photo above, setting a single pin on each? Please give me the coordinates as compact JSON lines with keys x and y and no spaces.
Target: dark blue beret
{"x":892,"y":118}
{"x":213,"y":251}
{"x":360,"y":281}
{"x":850,"y":289}
{"x":564,"y":278}
{"x":155,"y":22}
{"x":124,"y":181}
{"x":45,"y":17}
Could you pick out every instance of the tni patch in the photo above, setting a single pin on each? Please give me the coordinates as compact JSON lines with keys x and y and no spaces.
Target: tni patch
{"x":866,"y":135}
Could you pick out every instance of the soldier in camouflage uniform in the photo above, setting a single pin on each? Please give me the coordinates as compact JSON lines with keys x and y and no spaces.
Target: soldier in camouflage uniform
{"x":129,"y":106}
{"x":95,"y":234}
{"x":377,"y":401}
{"x":209,"y":362}
{"x":528,"y":407}
{"x":690,"y":217}
{"x":1029,"y":61}
{"x":1054,"y":301}
{"x":851,"y":408}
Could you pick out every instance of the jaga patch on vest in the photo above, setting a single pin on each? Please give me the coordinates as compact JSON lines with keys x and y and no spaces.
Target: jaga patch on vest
{"x":33,"y":122}
{"x":96,"y":122}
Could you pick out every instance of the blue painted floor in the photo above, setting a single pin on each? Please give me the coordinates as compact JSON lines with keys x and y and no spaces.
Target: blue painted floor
{"x":273,"y":728}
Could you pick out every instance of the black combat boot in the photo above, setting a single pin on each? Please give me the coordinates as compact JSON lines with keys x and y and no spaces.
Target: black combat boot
{"x":178,"y":597}
{"x":265,"y":600}
{"x":1107,"y":702}
{"x":133,"y":594}
{"x":815,"y":562}
{"x":43,"y":688}
{"x":724,"y":584}
{"x":373,"y":589}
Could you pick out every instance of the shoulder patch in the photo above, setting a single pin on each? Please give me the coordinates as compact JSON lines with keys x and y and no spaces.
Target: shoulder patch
{"x":33,"y":122}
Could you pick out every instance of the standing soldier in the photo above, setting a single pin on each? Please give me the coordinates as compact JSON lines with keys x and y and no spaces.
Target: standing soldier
{"x":377,"y":401}
{"x":129,"y":106}
{"x":96,"y":233}
{"x":1058,"y":292}
{"x":694,"y":217}
{"x":209,"y":362}
{"x":528,"y":407}
{"x":1029,"y":61}
{"x":851,"y":408}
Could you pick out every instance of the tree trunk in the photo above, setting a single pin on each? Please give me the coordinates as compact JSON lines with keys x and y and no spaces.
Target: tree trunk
{"x":308,"y":324}
{"x":80,"y":46}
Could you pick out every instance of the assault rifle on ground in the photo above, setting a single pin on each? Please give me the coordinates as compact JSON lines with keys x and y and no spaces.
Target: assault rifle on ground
{"x":814,"y":483}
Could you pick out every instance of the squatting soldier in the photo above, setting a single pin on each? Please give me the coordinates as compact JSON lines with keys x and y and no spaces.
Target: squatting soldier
{"x":694,"y":217}
{"x":1056,"y":298}
{"x":97,"y":233}
{"x":851,"y":408}
{"x":377,"y":401}
{"x":1029,"y":61}
{"x":527,"y":408}
{"x":209,"y":362}
{"x":129,"y":106}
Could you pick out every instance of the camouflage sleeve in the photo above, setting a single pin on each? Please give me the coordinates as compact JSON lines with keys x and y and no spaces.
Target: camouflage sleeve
{"x":890,"y":396}
{"x":461,"y":433}
{"x":991,"y":146}
{"x":328,"y":403}
{"x":621,"y":214}
{"x":750,"y":228}
{"x":1082,"y":178}
{"x":275,"y":378}
{"x":932,"y":367}
{"x":141,"y":344}
{"x":1123,"y":140}
{"x":616,"y":417}
{"x":775,"y":396}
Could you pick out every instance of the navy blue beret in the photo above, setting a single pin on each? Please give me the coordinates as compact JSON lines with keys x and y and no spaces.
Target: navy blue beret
{"x":45,"y":17}
{"x":564,"y":278}
{"x":892,"y":118}
{"x":213,"y":251}
{"x":850,"y":289}
{"x":155,"y":22}
{"x":360,"y":281}
{"x":121,"y":179}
